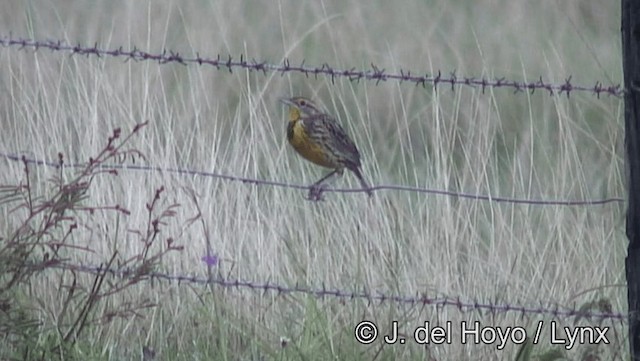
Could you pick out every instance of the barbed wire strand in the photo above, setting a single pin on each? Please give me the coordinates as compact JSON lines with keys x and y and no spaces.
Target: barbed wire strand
{"x":379,"y":297}
{"x":374,"y":74}
{"x":259,"y":182}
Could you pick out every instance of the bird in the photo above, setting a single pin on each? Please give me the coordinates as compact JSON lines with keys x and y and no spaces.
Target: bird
{"x":319,"y":138}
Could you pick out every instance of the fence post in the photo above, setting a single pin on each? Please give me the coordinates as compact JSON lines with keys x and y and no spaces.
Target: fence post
{"x":631,"y":69}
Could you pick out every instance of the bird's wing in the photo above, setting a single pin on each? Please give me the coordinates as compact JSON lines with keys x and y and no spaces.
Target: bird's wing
{"x":328,"y":131}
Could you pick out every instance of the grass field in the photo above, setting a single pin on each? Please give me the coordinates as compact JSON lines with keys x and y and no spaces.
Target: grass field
{"x":496,"y":142}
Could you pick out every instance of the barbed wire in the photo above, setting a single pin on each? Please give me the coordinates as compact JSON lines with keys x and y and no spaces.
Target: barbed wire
{"x":375,"y":73}
{"x":375,"y":188}
{"x":375,"y":297}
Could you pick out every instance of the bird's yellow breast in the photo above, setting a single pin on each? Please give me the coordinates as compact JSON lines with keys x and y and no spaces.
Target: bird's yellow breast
{"x":300,"y":141}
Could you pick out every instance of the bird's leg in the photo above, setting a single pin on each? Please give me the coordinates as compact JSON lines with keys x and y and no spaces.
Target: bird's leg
{"x":316,"y":189}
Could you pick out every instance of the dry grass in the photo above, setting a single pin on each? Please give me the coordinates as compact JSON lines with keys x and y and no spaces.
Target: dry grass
{"x":499,"y":143}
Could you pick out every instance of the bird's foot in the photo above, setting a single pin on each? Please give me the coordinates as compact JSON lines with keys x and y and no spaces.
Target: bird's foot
{"x":315,"y":192}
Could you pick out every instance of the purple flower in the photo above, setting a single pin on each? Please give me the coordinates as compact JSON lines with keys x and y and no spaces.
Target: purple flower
{"x":210,"y":260}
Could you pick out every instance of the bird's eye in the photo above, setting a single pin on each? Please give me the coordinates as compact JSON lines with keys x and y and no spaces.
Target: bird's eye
{"x":303,"y":103}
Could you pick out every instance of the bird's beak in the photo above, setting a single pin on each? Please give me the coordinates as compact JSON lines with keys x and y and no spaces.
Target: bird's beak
{"x":286,"y":101}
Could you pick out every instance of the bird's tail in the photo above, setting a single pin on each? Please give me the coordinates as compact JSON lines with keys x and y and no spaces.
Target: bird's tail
{"x":364,"y":184}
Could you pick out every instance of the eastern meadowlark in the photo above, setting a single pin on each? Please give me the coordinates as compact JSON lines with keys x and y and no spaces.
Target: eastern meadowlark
{"x":319,"y":138}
